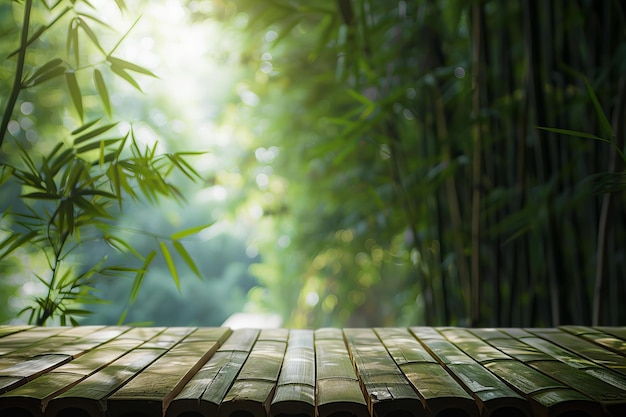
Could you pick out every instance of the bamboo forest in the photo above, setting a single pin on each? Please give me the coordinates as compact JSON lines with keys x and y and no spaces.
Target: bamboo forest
{"x":332,"y":162}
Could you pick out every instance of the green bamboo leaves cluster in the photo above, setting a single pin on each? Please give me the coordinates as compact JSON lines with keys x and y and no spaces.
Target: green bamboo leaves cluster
{"x":75,"y":186}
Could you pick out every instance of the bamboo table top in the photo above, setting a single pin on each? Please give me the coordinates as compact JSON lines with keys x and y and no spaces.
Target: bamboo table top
{"x":570,"y":371}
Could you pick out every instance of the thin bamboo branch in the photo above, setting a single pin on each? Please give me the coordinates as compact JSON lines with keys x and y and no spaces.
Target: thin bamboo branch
{"x":454,"y":207}
{"x":477,"y":163}
{"x":617,"y":122}
{"x":19,"y":71}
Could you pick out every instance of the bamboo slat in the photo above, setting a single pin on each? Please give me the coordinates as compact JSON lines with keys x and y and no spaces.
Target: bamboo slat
{"x":32,"y":336}
{"x":491,"y":394}
{"x":151,"y":391}
{"x":253,"y":388}
{"x":584,"y":348}
{"x":295,"y":391}
{"x":548,"y":395}
{"x":7,"y":330}
{"x":439,"y":392}
{"x":204,"y":393}
{"x":605,"y":340}
{"x":603,"y":385}
{"x":619,"y":332}
{"x":31,"y":360}
{"x":34,"y":395}
{"x":569,"y":358}
{"x":400,"y":372}
{"x":387,"y":390}
{"x":91,"y":393}
{"x":338,"y":391}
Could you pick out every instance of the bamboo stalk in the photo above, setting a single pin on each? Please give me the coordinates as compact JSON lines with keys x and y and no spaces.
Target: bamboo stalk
{"x":19,"y":70}
{"x":477,"y":160}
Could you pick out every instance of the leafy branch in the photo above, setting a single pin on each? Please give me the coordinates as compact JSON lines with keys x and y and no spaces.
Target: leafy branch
{"x":73,"y":192}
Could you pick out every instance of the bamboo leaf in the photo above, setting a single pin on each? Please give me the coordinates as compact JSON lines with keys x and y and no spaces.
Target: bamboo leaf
{"x":170,"y":264}
{"x":85,"y":126}
{"x":140,"y":276}
{"x":121,"y":245}
{"x":605,"y":125}
{"x":94,"y":133}
{"x":574,"y":133}
{"x":123,"y":74}
{"x":95,"y":19}
{"x":177,"y":162}
{"x":61,"y":161}
{"x":72,"y":85}
{"x":90,"y":33}
{"x":46,"y":72}
{"x":120,"y":321}
{"x":121,"y":5}
{"x":187,"y":258}
{"x":15,"y":241}
{"x":7,"y":172}
{"x":96,"y":145}
{"x":125,"y":65}
{"x":102,"y":90}
{"x":190,"y":231}
{"x":42,"y":196}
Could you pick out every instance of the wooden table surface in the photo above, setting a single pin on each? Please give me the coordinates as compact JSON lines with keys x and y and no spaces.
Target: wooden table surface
{"x":570,"y":371}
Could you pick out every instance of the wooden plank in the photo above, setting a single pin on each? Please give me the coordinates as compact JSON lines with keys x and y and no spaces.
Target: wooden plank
{"x":253,"y":388}
{"x":155,"y":387}
{"x":547,"y":392}
{"x":584,"y":348}
{"x":337,"y":386}
{"x":491,"y":394}
{"x":295,"y":391}
{"x":90,"y":394}
{"x":387,"y":390}
{"x":439,"y":392}
{"x":204,"y":393}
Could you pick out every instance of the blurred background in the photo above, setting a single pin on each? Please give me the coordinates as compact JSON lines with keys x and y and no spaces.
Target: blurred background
{"x":355,"y":162}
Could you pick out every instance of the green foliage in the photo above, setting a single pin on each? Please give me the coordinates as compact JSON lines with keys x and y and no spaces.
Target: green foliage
{"x":73,"y":186}
{"x":408,"y":180}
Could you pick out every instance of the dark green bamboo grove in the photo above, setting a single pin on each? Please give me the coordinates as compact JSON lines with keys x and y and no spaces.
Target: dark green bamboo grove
{"x":442,"y":162}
